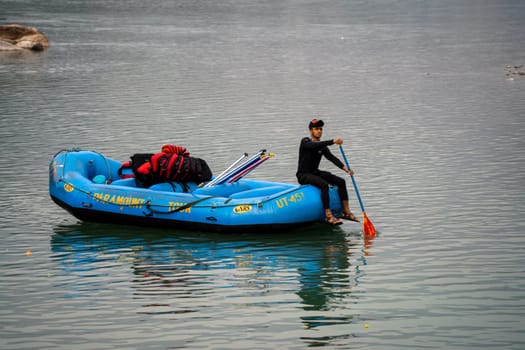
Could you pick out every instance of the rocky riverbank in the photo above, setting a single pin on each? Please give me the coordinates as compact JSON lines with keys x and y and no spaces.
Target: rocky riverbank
{"x":18,"y":37}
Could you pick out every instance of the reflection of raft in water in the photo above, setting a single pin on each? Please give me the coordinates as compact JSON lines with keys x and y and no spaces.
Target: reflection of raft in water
{"x":196,"y":265}
{"x":244,"y":205}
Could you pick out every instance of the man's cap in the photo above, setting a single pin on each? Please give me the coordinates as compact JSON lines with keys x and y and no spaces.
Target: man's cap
{"x":315,"y":123}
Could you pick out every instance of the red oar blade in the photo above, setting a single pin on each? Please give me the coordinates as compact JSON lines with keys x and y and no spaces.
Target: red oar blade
{"x":368,"y":227}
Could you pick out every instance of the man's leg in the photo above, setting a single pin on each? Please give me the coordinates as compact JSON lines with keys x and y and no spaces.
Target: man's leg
{"x":324,"y":186}
{"x":342,"y":191}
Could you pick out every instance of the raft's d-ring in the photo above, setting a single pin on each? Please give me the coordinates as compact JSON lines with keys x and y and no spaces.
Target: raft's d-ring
{"x":147,"y":205}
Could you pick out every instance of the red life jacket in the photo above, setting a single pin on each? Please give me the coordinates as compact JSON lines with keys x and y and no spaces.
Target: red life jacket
{"x":174,"y":163}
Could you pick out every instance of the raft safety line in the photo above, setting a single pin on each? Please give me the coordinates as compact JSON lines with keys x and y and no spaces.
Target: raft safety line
{"x":149,"y":205}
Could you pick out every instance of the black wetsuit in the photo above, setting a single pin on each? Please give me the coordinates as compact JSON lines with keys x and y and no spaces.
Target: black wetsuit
{"x":310,"y":154}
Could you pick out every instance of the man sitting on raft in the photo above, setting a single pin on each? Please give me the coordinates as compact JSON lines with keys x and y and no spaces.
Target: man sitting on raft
{"x":311,"y":150}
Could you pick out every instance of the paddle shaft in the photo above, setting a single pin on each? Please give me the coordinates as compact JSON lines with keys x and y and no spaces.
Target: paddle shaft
{"x":239,"y":168}
{"x":221,"y":175}
{"x":248,"y":170}
{"x":353,"y":180}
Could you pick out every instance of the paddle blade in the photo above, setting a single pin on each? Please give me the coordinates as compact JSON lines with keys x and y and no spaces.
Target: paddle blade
{"x":368,"y":227}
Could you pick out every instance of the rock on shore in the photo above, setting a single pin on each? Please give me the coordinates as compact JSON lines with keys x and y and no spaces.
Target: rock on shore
{"x":17,"y":37}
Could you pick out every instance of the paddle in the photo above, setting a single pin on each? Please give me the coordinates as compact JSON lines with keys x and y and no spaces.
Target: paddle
{"x":250,"y":168}
{"x":221,"y":175}
{"x":368,"y":227}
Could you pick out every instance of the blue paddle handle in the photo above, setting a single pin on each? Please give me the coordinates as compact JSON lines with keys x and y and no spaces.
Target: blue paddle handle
{"x":353,"y":180}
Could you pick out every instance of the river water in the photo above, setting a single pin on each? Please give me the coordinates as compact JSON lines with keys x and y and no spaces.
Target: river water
{"x":426,"y":96}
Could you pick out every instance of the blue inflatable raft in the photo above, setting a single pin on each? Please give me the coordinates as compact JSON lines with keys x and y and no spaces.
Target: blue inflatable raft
{"x":87,"y":184}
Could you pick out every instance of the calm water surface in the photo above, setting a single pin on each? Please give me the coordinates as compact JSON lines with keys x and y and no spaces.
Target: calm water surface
{"x":433,"y":120}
